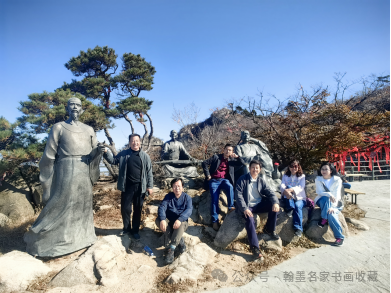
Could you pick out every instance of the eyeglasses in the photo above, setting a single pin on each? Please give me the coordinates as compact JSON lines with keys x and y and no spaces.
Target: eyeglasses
{"x":294,"y":166}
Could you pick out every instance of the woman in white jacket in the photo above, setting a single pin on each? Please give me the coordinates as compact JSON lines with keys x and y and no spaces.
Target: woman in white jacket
{"x":328,"y":188}
{"x":293,"y":194}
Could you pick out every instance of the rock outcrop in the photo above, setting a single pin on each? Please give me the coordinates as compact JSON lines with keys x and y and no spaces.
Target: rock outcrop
{"x":18,"y":269}
{"x":97,"y":264}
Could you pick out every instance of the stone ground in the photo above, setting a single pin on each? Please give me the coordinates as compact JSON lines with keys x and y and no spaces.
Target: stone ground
{"x":364,"y":254}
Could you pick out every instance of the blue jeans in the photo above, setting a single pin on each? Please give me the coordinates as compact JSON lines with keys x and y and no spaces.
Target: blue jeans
{"x":347,"y":185}
{"x":215,"y":185}
{"x":297,"y":207}
{"x":324,"y":203}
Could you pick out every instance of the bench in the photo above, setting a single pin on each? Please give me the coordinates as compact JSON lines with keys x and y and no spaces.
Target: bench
{"x":351,"y":176}
{"x":353,"y":192}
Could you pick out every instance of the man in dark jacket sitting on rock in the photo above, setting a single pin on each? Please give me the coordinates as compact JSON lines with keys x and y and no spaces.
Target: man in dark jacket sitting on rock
{"x":254,"y":196}
{"x":173,"y":213}
{"x":221,"y":176}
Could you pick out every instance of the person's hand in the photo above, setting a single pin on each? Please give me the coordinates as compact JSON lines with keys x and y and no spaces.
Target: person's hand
{"x":177,"y":224}
{"x":102,"y":149}
{"x":163,"y":225}
{"x":288,"y":195}
{"x":248,"y":213}
{"x":331,"y":211}
{"x":234,"y":156}
{"x":332,"y":198}
{"x":150,"y":191}
{"x":275,"y":208}
{"x":209,"y":177}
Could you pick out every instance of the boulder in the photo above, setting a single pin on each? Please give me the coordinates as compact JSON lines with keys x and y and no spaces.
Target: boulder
{"x":360,"y":225}
{"x":190,"y":265}
{"x":233,"y":228}
{"x":310,"y":191}
{"x":18,"y":269}
{"x":325,"y":234}
{"x":195,"y":217}
{"x":4,"y":220}
{"x":211,"y":232}
{"x":193,"y":235}
{"x":97,"y":264}
{"x":14,"y":202}
{"x":152,"y":209}
{"x":204,"y":207}
{"x":284,"y":226}
{"x":266,"y":242}
{"x":37,"y":191}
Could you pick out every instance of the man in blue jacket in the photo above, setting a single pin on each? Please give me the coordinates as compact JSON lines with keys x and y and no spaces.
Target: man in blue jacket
{"x":173,"y":213}
{"x":253,"y":195}
{"x":134,"y":179}
{"x":220,"y":176}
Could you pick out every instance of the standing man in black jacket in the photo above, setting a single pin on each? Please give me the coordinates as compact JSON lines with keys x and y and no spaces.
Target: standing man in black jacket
{"x":220,"y":176}
{"x":134,"y":180}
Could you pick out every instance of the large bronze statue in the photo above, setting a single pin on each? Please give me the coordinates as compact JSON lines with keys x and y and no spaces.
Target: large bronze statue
{"x":68,"y":169}
{"x":176,"y":161}
{"x":251,"y":148}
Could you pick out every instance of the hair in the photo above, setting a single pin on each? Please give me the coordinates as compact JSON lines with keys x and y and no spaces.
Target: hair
{"x":299,"y":169}
{"x":133,"y":135}
{"x":175,"y":180}
{"x":228,"y":145}
{"x":333,"y":171}
{"x":256,"y":162}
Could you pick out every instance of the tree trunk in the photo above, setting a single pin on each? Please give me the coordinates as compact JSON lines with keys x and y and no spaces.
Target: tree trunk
{"x":112,"y":144}
{"x":151,"y":134}
{"x":113,"y":170}
{"x":130,"y":121}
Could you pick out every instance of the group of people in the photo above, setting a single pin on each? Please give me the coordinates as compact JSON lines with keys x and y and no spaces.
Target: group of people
{"x":248,"y":195}
{"x":70,"y":166}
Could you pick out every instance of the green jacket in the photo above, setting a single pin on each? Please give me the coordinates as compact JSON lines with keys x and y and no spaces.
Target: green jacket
{"x":121,"y":159}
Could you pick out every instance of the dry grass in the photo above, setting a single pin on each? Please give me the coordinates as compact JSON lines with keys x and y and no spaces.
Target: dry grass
{"x":41,"y":284}
{"x":353,"y":211}
{"x":162,"y":287}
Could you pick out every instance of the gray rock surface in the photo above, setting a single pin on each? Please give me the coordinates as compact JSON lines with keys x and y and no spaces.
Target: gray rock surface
{"x":325,"y":234}
{"x":98,"y":263}
{"x":204,"y":207}
{"x":18,"y":269}
{"x":190,"y":265}
{"x":4,"y":220}
{"x":360,"y":225}
{"x":14,"y":203}
{"x":266,"y":242}
{"x":310,"y":190}
{"x":211,"y":232}
{"x":233,"y":228}
{"x":284,"y":226}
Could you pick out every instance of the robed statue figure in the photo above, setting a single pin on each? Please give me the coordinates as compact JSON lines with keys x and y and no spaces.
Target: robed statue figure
{"x":68,"y":169}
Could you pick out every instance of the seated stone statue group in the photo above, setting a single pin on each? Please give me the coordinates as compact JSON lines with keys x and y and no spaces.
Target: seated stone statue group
{"x":244,"y":173}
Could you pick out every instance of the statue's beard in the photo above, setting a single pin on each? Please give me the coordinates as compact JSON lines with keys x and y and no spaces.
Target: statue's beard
{"x":75,"y":116}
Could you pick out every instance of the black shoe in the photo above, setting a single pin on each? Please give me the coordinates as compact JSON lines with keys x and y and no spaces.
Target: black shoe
{"x":338,"y":242}
{"x":136,"y":236}
{"x":169,"y":256}
{"x":257,"y":253}
{"x":289,"y":213}
{"x":298,"y":233}
{"x":181,"y":246}
{"x":273,"y":235}
{"x":322,"y":222}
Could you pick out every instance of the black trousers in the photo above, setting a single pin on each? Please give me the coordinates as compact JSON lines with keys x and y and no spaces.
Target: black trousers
{"x":132,"y":197}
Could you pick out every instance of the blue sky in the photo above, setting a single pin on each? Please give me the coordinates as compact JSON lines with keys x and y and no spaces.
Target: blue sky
{"x":206,"y":52}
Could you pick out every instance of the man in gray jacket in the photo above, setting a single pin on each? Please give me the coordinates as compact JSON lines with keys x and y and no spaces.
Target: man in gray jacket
{"x":134,"y":179}
{"x":253,"y":195}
